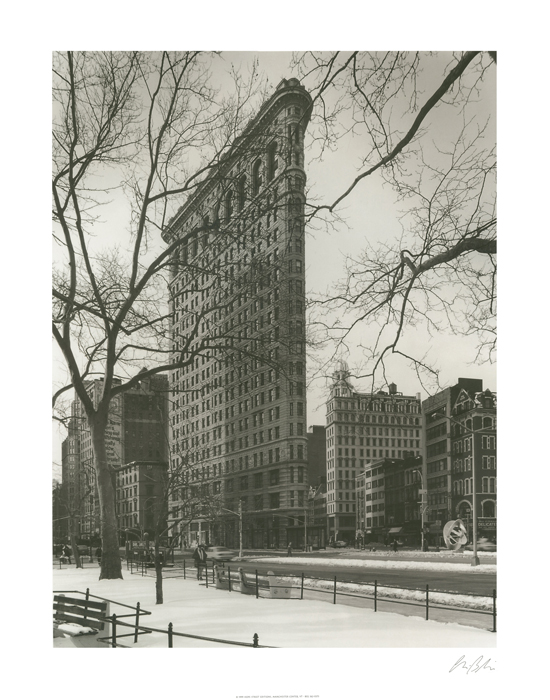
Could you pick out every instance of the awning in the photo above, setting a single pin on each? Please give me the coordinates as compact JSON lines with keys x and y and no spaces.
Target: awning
{"x":395,"y":530}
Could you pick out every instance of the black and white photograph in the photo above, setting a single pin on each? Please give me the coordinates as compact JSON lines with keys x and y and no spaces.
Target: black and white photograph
{"x":273,"y":366}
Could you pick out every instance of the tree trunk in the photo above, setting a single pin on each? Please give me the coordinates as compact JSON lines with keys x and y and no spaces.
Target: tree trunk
{"x":110,"y":555}
{"x":74,"y":546}
{"x":158,"y":571}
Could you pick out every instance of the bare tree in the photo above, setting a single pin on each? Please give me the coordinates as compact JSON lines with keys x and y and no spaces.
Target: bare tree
{"x":70,"y":510}
{"x":194,"y":500}
{"x":420,"y":123}
{"x":150,"y":127}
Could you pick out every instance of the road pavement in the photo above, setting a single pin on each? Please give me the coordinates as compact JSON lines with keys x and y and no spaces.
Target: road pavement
{"x":474,"y":582}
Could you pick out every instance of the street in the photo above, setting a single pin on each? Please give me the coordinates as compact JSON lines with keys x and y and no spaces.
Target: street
{"x":450,"y":582}
{"x":475,"y":582}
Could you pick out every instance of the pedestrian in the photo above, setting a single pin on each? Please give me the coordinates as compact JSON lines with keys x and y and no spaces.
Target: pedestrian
{"x":289,"y":549}
{"x":394,"y":545}
{"x":67,"y":553}
{"x":98,"y":553}
{"x":199,"y":555}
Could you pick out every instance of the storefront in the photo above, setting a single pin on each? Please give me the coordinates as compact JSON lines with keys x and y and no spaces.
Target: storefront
{"x":487,"y":527}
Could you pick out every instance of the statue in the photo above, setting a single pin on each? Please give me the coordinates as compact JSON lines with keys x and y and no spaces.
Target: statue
{"x":455,"y":534}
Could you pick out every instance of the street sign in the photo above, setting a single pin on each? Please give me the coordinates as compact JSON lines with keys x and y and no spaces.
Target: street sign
{"x":422,"y":492}
{"x":487,"y":523}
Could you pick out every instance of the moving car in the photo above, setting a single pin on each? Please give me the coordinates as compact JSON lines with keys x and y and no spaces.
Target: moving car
{"x":339,"y":543}
{"x":483,"y":545}
{"x":220,"y":554}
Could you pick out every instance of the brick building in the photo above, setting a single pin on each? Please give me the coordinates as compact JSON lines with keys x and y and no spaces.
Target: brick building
{"x":137,"y":430}
{"x":459,"y":420}
{"x":473,"y":437}
{"x":140,"y":490}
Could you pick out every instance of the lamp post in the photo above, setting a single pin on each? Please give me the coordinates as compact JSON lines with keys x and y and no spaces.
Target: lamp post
{"x":311,"y":496}
{"x":472,"y":432}
{"x":240,"y":514}
{"x":423,"y":506}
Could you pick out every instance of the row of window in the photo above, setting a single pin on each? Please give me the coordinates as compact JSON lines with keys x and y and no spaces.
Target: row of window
{"x":372,"y":418}
{"x":397,"y":406}
{"x":465,"y":486}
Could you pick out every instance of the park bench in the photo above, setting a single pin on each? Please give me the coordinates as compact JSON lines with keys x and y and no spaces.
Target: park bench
{"x":79,"y":616}
{"x":268,"y":586}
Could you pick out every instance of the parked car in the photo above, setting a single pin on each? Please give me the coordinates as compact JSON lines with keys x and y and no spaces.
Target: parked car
{"x":339,"y":543}
{"x":483,"y":545}
{"x":220,"y":554}
{"x":83,"y":549}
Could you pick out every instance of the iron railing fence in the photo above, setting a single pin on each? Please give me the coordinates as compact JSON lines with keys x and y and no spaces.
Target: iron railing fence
{"x":187,"y":569}
{"x":115,"y":622}
{"x":137,"y":611}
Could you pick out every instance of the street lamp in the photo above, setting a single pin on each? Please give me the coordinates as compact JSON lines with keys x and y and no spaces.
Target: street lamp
{"x":311,"y":496}
{"x":472,"y":432}
{"x":423,"y":506}
{"x":240,"y":514}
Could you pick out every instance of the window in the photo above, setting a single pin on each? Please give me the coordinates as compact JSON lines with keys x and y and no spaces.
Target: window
{"x":228,"y":212}
{"x":272,"y":162}
{"x":241,"y":192}
{"x":274,"y":500}
{"x":257,"y":176}
{"x":274,"y":477}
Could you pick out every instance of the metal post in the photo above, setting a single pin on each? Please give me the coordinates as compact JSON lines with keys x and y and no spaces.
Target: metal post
{"x":334,"y":590}
{"x":170,"y":641}
{"x":375,"y":587}
{"x":206,"y":573}
{"x":302,"y":587}
{"x":113,"y":630}
{"x":494,"y":610}
{"x":475,"y":558}
{"x":184,"y":567}
{"x":241,"y":529}
{"x":257,"y":588}
{"x":137,"y":623}
{"x":229,"y":577}
{"x":427,"y":602}
{"x":255,"y":639}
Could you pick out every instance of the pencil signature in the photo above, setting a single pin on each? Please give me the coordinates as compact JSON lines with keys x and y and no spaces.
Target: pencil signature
{"x":478,"y":665}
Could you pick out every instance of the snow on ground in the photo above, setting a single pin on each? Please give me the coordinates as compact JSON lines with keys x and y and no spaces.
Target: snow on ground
{"x":381,"y":564}
{"x":194,"y":609}
{"x":472,"y":602}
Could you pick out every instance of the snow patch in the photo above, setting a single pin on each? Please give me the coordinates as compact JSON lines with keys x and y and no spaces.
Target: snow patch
{"x":381,"y":564}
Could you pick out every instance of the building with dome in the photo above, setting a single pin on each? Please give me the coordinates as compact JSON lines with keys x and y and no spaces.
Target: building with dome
{"x":363,"y":430}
